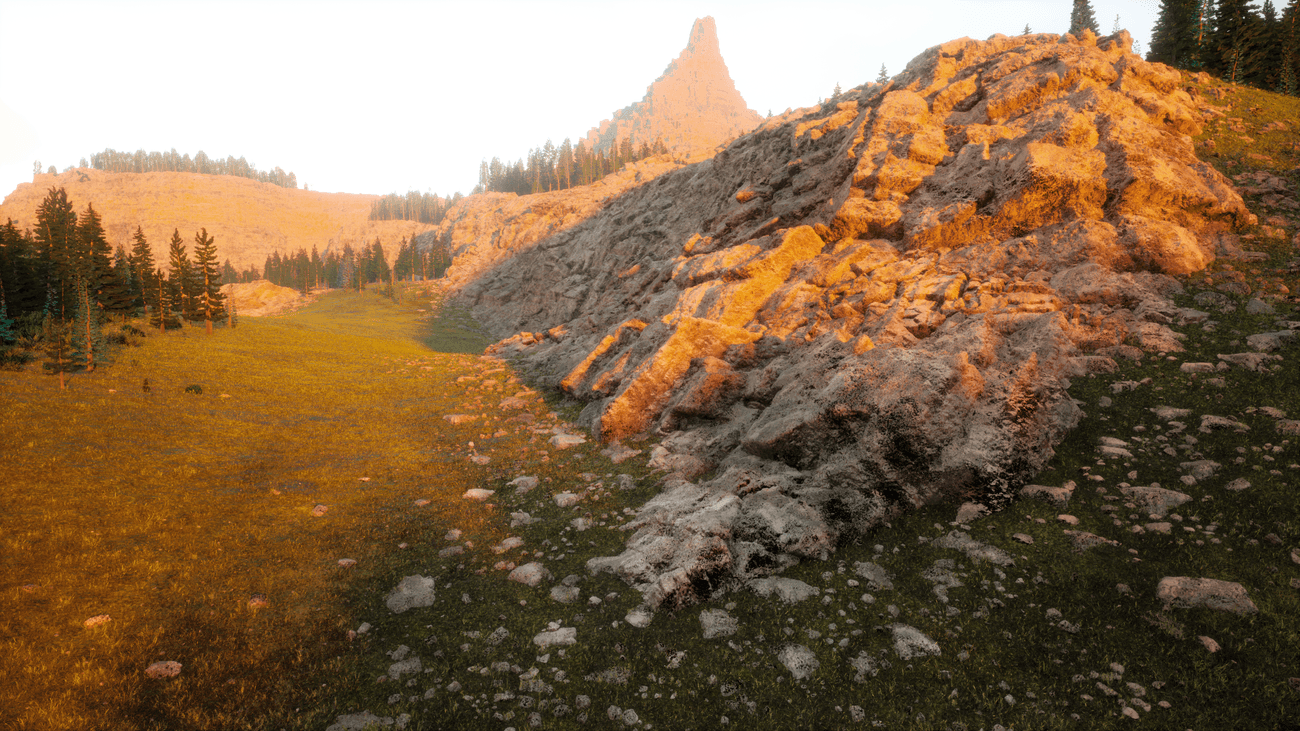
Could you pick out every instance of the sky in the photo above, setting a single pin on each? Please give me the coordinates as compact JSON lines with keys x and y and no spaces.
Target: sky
{"x":395,"y":95}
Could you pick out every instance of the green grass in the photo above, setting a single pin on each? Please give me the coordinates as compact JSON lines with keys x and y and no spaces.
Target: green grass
{"x":168,"y":511}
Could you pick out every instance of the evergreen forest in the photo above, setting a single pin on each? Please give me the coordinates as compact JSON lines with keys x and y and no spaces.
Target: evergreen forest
{"x":354,"y":268}
{"x":112,"y":161}
{"x":1231,"y":39}
{"x":558,"y":168}
{"x":60,"y":283}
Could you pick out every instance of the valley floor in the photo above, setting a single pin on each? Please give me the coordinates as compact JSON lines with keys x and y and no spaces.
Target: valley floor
{"x":257,"y":534}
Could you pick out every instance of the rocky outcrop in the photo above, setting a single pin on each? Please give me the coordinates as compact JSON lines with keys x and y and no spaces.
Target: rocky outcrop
{"x":869,"y":307}
{"x":693,"y":105}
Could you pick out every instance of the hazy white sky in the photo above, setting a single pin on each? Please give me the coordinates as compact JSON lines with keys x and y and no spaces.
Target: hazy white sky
{"x":383,"y":96}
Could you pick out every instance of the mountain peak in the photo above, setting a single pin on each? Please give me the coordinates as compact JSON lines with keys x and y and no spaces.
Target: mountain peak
{"x":694,"y":105}
{"x":704,"y":38}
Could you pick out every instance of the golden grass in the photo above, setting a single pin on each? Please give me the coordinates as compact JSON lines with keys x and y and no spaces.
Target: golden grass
{"x":169,"y":511}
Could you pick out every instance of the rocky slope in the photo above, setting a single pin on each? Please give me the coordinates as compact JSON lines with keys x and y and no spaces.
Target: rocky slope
{"x":693,"y":105}
{"x":870,"y":307}
{"x":248,"y":219}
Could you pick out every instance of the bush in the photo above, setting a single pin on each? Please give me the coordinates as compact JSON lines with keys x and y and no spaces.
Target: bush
{"x":194,"y":388}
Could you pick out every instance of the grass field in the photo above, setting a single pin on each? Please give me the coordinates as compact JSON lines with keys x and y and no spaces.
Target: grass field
{"x":188,"y":520}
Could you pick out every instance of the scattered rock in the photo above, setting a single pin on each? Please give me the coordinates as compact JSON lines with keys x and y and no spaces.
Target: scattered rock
{"x":1058,"y":496}
{"x":459,"y":418}
{"x":790,"y":591}
{"x":412,"y":592}
{"x":566,"y":499}
{"x":969,"y":512}
{"x":1023,"y":537}
{"x":1083,"y":540}
{"x":1183,"y":591}
{"x":799,"y":660}
{"x":558,"y":637}
{"x":97,"y":620}
{"x":530,"y":574}
{"x":478,"y":493}
{"x":1155,"y":501}
{"x":717,"y":623}
{"x":974,"y":549}
{"x":347,"y":563}
{"x":877,"y":577}
{"x":565,"y":441}
{"x":618,"y":452}
{"x":910,"y":642}
{"x":359,"y":722}
{"x":1209,"y":643}
{"x":163,"y":669}
{"x":319,"y":510}
{"x":524,"y":484}
{"x":1237,"y":485}
{"x":508,"y":544}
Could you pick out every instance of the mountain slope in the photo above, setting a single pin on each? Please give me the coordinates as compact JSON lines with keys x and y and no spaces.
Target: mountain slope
{"x":876,"y":306}
{"x":248,"y":219}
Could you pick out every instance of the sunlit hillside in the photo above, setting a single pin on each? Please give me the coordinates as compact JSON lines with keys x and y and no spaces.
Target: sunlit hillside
{"x":249,"y":219}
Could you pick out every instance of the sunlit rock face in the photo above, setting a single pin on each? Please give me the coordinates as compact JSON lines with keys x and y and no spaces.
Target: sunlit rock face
{"x":871,"y":305}
{"x":693,"y":105}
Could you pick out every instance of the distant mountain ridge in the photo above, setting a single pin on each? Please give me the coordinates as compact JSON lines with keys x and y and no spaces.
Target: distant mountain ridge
{"x":249,"y":219}
{"x":693,"y":105}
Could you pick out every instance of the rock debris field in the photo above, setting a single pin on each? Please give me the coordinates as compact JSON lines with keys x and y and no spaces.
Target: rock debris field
{"x":1158,"y":470}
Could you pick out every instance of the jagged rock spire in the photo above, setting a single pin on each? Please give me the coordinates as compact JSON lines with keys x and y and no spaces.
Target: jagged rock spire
{"x":693,"y":105}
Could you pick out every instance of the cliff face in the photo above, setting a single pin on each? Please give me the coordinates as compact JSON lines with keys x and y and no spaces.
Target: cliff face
{"x":871,"y":306}
{"x":248,"y":219}
{"x":694,"y":105}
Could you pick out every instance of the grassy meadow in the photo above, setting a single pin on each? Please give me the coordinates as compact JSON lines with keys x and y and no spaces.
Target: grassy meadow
{"x":188,"y":519}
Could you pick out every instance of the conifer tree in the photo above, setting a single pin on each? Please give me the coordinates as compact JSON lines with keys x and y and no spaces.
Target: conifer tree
{"x":210,"y":300}
{"x":883,"y":76}
{"x":87,"y":338}
{"x":141,"y":264}
{"x":56,"y":334}
{"x":1026,"y":31}
{"x":95,"y":256}
{"x":1081,"y":16}
{"x":118,"y":297}
{"x":1237,"y":49}
{"x":1173,"y":39}
{"x":159,"y":297}
{"x":182,"y":277}
{"x":1290,"y":38}
{"x":7,"y":332}
{"x":56,"y":237}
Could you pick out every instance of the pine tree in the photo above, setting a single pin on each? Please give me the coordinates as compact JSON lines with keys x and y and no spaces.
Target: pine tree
{"x":56,"y":334}
{"x":210,"y":299}
{"x":7,"y":333}
{"x":883,"y":76}
{"x":1081,"y":17}
{"x":142,"y":264}
{"x":56,"y":237}
{"x":182,"y":277}
{"x":1174,"y":37}
{"x":95,"y":266}
{"x":1026,"y":31}
{"x":159,"y":297}
{"x":1236,"y":48}
{"x":87,"y":338}
{"x":118,"y":297}
{"x":1290,"y":37}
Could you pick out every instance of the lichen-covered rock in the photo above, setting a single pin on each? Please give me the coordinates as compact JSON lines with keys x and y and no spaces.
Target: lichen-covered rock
{"x":862,"y":307}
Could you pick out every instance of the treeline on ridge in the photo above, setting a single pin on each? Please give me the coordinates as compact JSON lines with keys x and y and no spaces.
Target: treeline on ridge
{"x":61,"y":282}
{"x":354,"y":269}
{"x":414,"y":206}
{"x":112,"y":161}
{"x":558,"y":168}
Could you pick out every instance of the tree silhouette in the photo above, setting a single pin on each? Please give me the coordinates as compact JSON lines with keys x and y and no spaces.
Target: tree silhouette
{"x":1081,"y":16}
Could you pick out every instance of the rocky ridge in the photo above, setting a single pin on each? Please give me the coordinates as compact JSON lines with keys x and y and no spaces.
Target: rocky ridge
{"x":870,"y":307}
{"x":693,"y":105}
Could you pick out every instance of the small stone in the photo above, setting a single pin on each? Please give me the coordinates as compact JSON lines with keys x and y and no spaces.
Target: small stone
{"x":413,"y":591}
{"x":163,"y":669}
{"x":523,"y":484}
{"x":97,"y":620}
{"x":717,"y":623}
{"x":1068,"y":519}
{"x":1129,"y":712}
{"x":421,"y":502}
{"x":1237,"y":485}
{"x":910,"y":642}
{"x":257,"y":601}
{"x":799,"y":660}
{"x":530,"y":574}
{"x":478,"y":493}
{"x":565,"y":441}
{"x":1209,"y":643}
{"x":1023,"y":537}
{"x":557,"y":637}
{"x":319,"y":510}
{"x":1184,"y":591}
{"x":566,"y":499}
